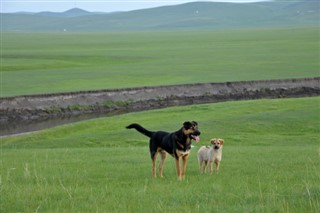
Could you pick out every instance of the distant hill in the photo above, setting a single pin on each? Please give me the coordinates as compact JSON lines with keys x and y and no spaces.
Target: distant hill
{"x":74,"y":12}
{"x":191,"y":16}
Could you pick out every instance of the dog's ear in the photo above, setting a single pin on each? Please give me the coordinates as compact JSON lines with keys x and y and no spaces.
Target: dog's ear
{"x":221,"y":141}
{"x":187,"y":125}
{"x":213,"y":140}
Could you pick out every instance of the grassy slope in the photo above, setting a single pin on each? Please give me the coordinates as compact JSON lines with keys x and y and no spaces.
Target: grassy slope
{"x":193,"y":15}
{"x":46,"y":62}
{"x":270,"y":163}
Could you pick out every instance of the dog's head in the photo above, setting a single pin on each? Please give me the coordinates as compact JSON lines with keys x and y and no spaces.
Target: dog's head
{"x":217,"y":143}
{"x":191,"y":129}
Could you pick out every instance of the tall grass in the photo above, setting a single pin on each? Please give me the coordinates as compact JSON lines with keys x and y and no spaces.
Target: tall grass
{"x":35,"y":63}
{"x":270,"y":163}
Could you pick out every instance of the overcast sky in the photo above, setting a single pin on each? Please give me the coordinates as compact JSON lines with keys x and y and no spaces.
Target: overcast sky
{"x":8,"y":6}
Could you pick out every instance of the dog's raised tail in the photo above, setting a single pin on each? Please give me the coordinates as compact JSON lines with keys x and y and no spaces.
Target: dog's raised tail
{"x":140,"y":129}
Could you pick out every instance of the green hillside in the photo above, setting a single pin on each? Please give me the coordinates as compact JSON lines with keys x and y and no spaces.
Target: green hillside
{"x":34,"y":63}
{"x":196,"y":15}
{"x":270,"y":163}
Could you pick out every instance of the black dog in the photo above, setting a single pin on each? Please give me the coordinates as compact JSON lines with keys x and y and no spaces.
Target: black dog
{"x":178,"y":144}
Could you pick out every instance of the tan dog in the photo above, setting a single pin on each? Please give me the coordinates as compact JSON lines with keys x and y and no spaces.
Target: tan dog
{"x":210,"y":154}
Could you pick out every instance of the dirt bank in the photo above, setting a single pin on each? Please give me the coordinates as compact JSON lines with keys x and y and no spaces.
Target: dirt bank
{"x":38,"y":107}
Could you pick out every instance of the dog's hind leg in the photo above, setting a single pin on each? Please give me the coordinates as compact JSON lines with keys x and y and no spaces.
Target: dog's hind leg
{"x":154,"y":167}
{"x":163,"y":155}
{"x":211,"y":167}
{"x":205,"y":166}
{"x":154,"y":154}
{"x":200,"y":166}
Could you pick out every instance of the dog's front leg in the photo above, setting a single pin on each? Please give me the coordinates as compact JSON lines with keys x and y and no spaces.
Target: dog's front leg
{"x":217,"y":165}
{"x":211,"y":167}
{"x":184,"y":165}
{"x":178,"y":168}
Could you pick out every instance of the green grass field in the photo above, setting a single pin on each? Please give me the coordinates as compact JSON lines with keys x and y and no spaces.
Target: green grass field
{"x":33,"y":63}
{"x":270,"y":162}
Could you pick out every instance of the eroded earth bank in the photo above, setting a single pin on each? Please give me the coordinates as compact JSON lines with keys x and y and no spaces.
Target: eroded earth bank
{"x":110,"y":102}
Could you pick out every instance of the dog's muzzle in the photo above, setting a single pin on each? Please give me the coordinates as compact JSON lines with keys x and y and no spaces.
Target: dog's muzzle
{"x":196,"y":136}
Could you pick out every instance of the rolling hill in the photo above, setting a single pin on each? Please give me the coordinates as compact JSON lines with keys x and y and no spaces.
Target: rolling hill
{"x":74,"y":12}
{"x":195,"y":15}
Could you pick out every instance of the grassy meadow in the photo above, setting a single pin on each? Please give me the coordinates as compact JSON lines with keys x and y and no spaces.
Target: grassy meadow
{"x":33,"y":63}
{"x":270,"y":162}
